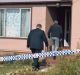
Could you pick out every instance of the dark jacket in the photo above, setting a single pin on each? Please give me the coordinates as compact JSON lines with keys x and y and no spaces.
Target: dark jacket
{"x":36,"y":38}
{"x":55,"y":31}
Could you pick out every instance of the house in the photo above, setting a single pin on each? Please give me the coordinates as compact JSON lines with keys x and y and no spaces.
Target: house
{"x":18,"y":17}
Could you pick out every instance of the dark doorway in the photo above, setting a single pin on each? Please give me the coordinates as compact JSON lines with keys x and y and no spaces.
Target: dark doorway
{"x":63,"y":15}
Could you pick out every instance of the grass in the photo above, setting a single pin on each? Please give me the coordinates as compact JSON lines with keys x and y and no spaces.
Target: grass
{"x":66,"y":65}
{"x":6,"y":67}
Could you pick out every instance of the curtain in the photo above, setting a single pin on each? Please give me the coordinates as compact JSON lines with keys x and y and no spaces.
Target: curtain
{"x":25,"y":22}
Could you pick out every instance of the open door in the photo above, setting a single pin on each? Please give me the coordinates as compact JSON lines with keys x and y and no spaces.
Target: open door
{"x":63,"y":15}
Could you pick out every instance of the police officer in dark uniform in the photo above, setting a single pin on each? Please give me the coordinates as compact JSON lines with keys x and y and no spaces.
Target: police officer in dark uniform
{"x":35,"y":42}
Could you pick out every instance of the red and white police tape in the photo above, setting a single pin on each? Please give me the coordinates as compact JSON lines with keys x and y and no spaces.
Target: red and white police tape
{"x":40,"y":55}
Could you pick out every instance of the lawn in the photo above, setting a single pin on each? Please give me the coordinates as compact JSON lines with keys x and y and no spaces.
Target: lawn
{"x":66,"y":65}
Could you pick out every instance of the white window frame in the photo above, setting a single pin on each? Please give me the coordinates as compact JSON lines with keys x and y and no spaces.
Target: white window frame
{"x":20,"y":23}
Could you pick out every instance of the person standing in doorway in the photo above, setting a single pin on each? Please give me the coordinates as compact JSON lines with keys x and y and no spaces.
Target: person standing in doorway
{"x":55,"y":34}
{"x":35,"y":42}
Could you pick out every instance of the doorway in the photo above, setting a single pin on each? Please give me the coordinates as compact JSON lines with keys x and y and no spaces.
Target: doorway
{"x":63,"y":15}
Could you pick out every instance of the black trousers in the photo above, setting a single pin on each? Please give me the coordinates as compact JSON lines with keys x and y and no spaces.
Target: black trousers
{"x":35,"y":60}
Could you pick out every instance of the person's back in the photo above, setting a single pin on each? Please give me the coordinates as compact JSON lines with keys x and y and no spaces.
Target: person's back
{"x":35,"y":42}
{"x":37,"y":39}
{"x":55,"y":33}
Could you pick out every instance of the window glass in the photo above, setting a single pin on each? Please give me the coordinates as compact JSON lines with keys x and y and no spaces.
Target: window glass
{"x":15,"y":22}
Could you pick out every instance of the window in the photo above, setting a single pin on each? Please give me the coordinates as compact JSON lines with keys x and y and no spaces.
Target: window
{"x":15,"y":22}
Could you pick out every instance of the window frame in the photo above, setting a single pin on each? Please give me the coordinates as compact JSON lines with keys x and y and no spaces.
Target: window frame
{"x":4,"y":36}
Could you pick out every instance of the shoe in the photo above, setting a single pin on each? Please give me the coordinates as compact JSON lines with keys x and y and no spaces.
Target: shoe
{"x":33,"y":68}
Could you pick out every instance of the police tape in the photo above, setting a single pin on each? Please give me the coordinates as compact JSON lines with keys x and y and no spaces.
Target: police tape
{"x":38,"y":55}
